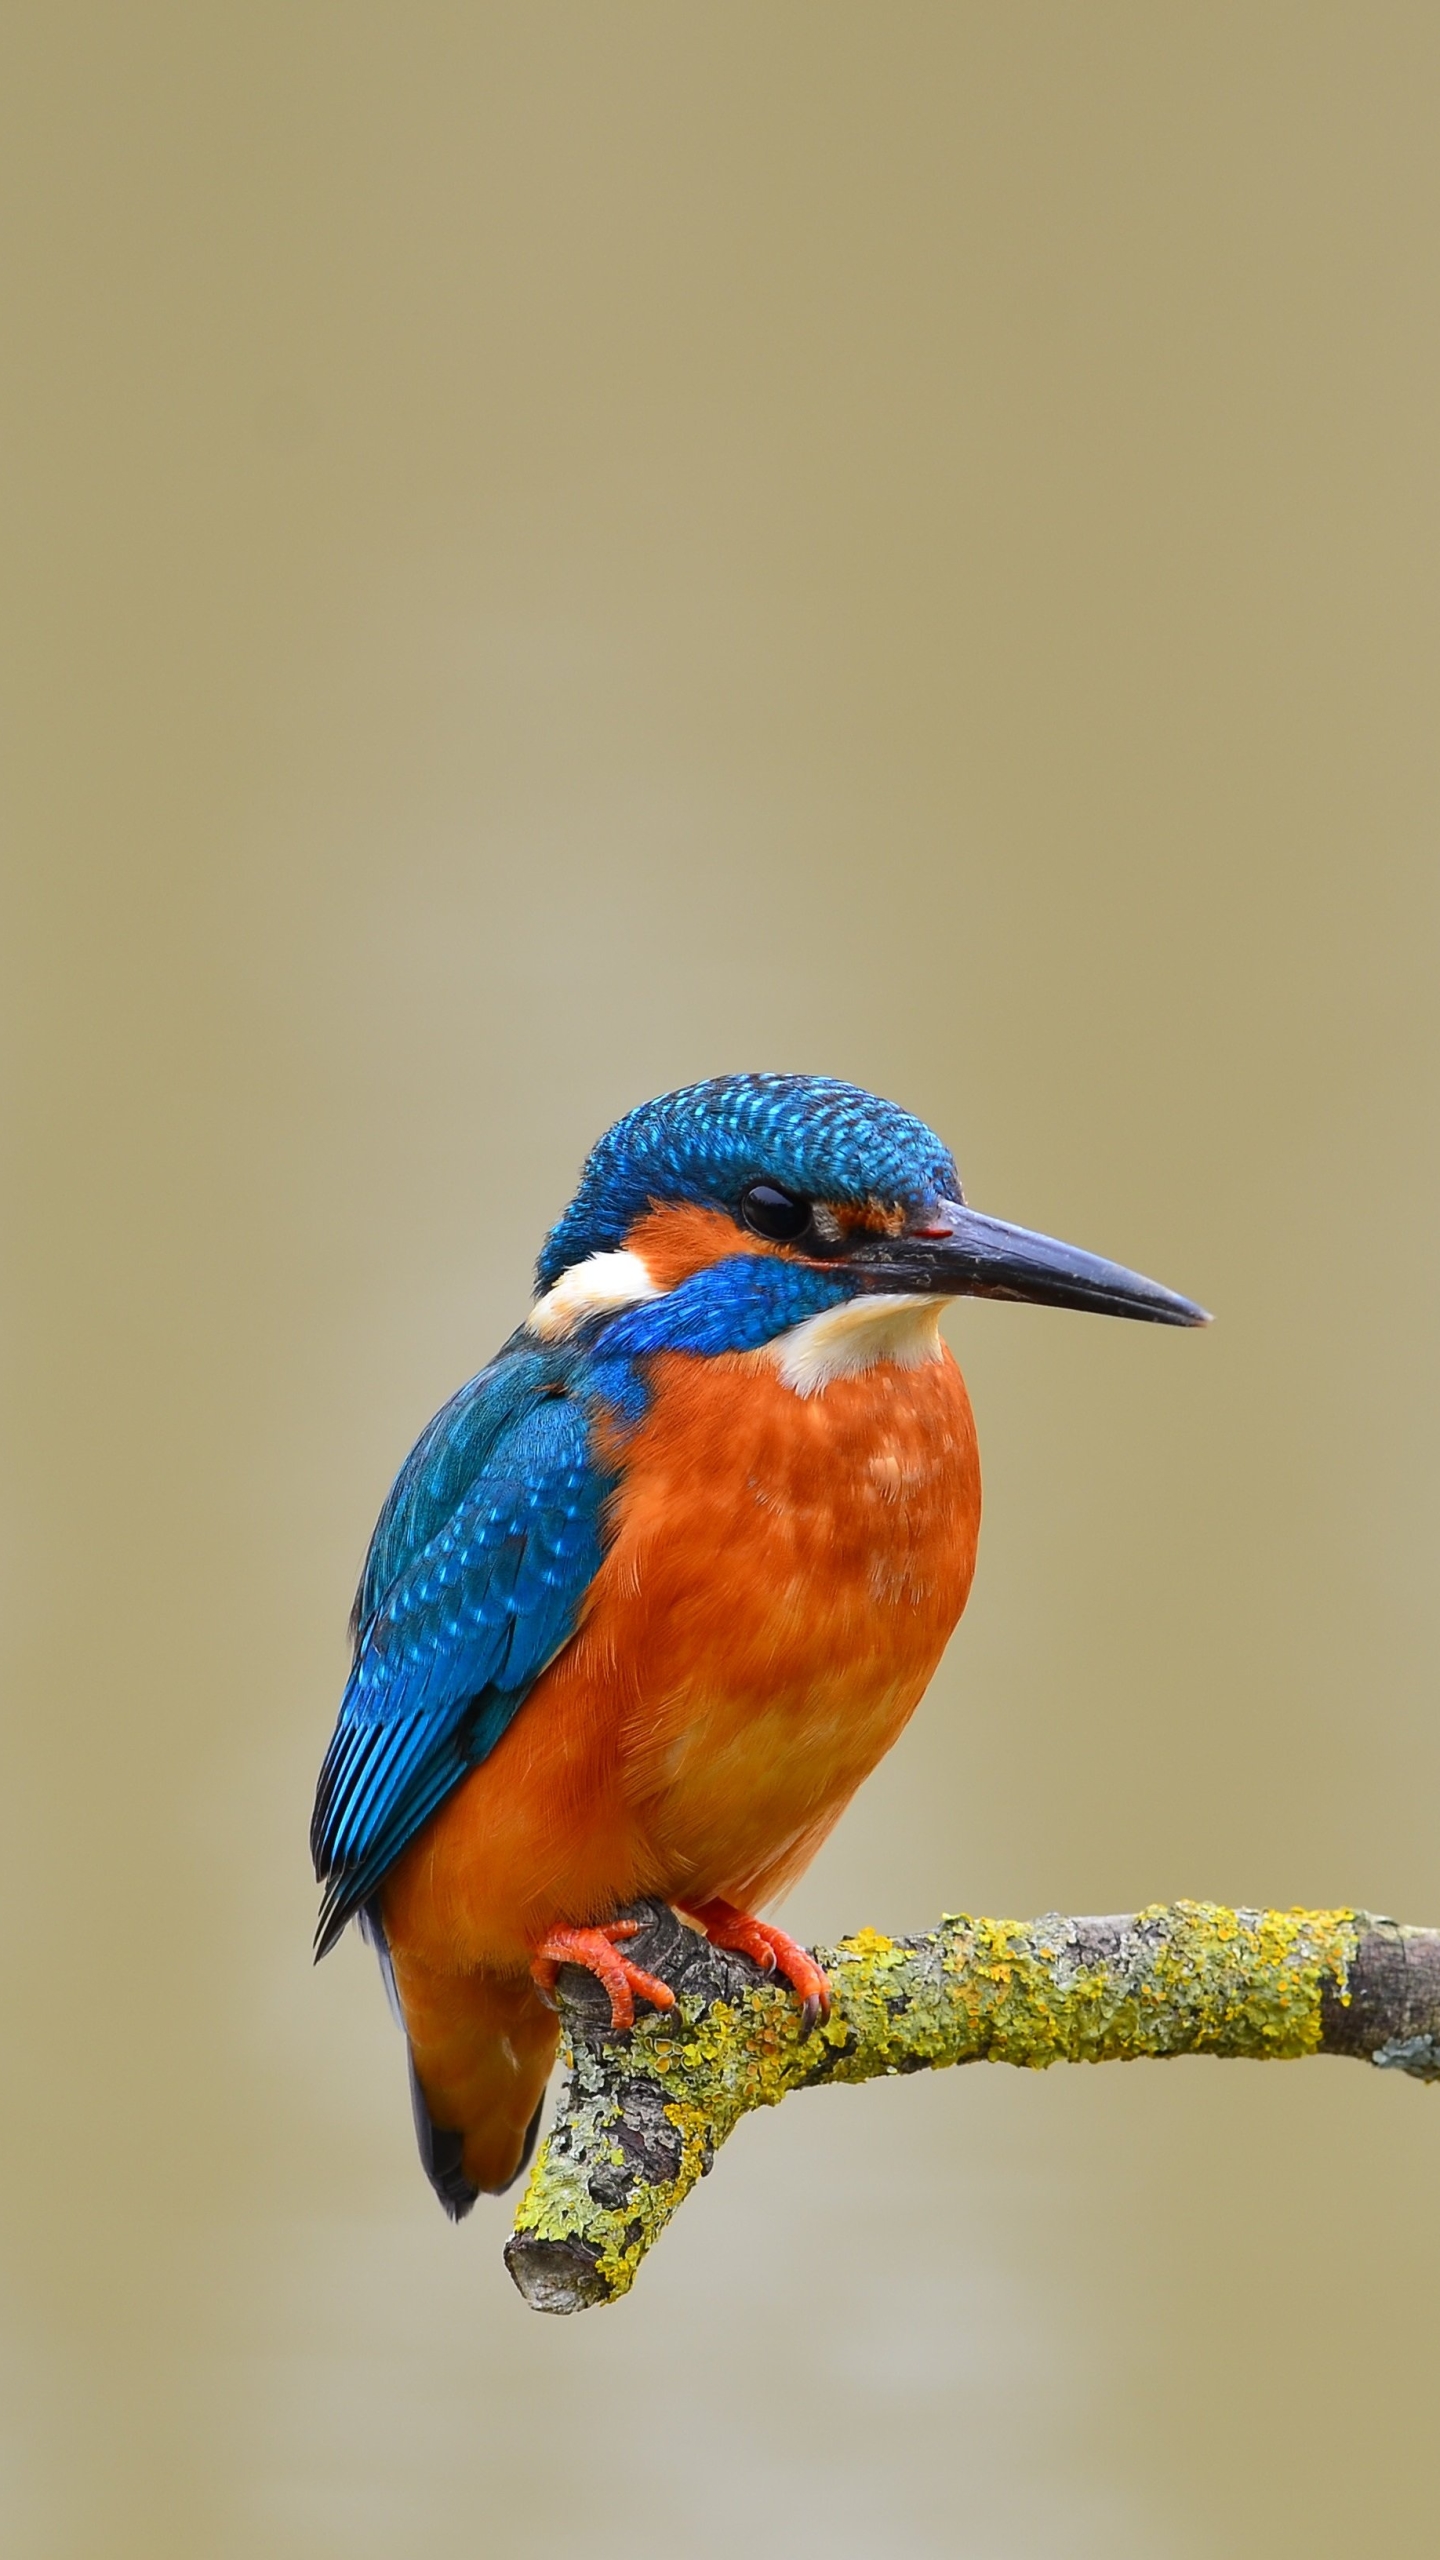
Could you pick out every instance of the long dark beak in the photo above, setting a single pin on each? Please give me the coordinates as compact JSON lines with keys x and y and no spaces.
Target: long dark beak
{"x":957,"y":1253}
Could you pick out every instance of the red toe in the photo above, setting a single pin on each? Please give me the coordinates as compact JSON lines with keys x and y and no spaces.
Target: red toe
{"x":595,"y":1949}
{"x":772,"y":1950}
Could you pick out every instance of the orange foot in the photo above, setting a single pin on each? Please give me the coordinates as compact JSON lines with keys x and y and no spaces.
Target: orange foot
{"x":724,"y":1926}
{"x":595,"y":1950}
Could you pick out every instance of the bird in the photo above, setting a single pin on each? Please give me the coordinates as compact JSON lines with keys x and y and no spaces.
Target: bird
{"x":653,"y":1593}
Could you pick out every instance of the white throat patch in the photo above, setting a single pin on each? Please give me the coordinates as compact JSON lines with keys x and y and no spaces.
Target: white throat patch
{"x":843,"y":1341}
{"x":594,"y":1287}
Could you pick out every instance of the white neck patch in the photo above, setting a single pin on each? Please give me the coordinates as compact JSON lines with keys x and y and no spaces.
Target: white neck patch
{"x":843,"y":1341}
{"x":594,"y":1287}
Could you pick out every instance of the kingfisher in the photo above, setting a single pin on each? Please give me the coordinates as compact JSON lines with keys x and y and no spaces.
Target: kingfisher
{"x":652,"y":1595}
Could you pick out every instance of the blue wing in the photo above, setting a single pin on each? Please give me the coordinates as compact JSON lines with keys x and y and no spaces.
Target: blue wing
{"x":476,"y":1573}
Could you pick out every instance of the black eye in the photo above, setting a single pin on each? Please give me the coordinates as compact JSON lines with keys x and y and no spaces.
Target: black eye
{"x":769,"y":1211}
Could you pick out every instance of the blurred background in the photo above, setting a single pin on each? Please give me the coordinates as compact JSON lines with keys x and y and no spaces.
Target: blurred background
{"x":554,"y":550}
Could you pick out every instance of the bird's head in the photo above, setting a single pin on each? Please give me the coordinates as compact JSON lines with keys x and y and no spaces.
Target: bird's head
{"x":752,"y":1203}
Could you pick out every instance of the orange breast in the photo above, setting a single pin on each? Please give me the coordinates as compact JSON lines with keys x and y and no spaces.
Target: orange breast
{"x":783,"y":1576}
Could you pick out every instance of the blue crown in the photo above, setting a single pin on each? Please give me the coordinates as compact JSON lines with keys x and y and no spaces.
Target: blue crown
{"x":708,"y":1142}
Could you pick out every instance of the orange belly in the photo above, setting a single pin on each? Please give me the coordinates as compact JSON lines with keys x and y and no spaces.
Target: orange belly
{"x":782,"y":1578}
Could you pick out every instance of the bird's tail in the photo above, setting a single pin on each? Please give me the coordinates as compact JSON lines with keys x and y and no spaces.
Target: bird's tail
{"x":481,"y":2050}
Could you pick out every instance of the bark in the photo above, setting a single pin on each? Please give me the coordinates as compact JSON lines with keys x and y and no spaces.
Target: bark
{"x":642,"y":2114}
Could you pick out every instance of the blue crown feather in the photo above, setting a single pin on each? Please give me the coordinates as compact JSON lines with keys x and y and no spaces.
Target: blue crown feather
{"x":707,"y":1142}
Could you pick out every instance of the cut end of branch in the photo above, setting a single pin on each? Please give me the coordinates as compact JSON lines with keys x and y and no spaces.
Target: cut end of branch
{"x":556,"y":2275}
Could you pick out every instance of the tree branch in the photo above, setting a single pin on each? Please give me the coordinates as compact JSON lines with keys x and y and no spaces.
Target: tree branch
{"x":643,"y":2113}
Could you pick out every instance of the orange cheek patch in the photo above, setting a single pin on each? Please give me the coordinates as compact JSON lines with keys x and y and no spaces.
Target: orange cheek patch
{"x":675,"y":1243}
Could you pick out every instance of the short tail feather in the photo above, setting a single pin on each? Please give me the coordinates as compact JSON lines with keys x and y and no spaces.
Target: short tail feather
{"x":480,"y":2051}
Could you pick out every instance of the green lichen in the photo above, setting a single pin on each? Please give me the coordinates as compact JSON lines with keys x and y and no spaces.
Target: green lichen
{"x":1189,"y":1977}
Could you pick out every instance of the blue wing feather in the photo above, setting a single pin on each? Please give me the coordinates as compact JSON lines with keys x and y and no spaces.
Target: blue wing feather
{"x":477,"y":1570}
{"x":449,"y":1457}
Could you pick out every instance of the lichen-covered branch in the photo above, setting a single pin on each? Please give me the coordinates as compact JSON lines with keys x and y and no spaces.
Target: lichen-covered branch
{"x":643,"y":2113}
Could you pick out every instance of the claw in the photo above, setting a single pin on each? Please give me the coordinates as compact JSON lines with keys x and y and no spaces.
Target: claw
{"x":770,"y":1948}
{"x":596,"y":1950}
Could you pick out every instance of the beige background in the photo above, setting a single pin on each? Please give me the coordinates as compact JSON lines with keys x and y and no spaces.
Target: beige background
{"x":554,"y":550}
